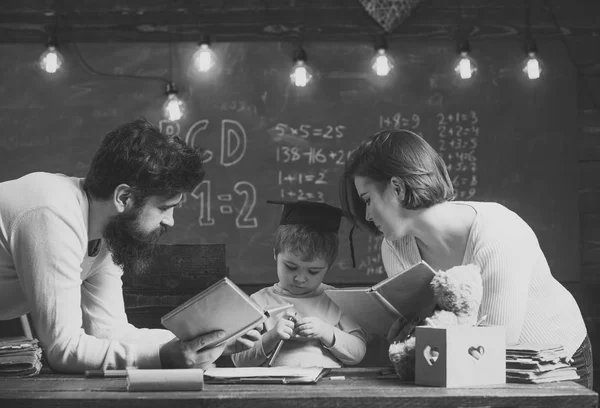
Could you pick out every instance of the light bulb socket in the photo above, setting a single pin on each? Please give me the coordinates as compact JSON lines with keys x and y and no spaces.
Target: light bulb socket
{"x":204,"y":40}
{"x":300,"y":55}
{"x":52,"y":42}
{"x":171,"y":89}
{"x":531,"y":47}
{"x":464,"y":47}
{"x":381,"y":43}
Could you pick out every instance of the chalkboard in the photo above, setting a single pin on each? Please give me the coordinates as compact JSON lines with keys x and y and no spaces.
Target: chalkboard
{"x":504,"y":139}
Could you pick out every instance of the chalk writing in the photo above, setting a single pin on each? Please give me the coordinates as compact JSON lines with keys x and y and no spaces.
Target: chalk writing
{"x":458,"y":134}
{"x":237,"y":106}
{"x":399,"y":121}
{"x":233,"y":149}
{"x":231,"y":153}
{"x":305,"y":131}
{"x":318,"y":177}
{"x":202,"y":193}
{"x":312,"y":155}
{"x":373,"y":263}
{"x":233,"y":139}
{"x":302,"y":194}
{"x":244,"y":218}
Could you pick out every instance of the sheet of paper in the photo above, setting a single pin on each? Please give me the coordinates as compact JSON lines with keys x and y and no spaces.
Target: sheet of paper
{"x":245,"y":372}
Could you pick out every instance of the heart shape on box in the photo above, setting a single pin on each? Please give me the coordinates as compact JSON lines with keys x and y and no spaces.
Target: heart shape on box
{"x":476,"y":352}
{"x":431,"y":354}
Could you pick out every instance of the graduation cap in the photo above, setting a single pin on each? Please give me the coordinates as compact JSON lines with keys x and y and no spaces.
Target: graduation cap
{"x":320,"y":216}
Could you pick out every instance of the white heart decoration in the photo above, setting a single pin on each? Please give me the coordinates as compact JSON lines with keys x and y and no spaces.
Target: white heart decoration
{"x":476,"y":352}
{"x":431,"y":354}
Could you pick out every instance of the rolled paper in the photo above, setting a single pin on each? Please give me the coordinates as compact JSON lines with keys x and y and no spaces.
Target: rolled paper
{"x":191,"y":379}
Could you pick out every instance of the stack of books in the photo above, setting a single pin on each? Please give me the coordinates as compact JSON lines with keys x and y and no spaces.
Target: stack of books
{"x":538,"y":363}
{"x":20,"y":357}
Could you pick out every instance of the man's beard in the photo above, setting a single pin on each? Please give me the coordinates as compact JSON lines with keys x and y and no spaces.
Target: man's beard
{"x":132,"y":249}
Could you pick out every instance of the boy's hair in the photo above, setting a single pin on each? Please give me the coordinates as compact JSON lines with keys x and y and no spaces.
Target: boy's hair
{"x":306,"y":242}
{"x":402,"y":154}
{"x":151,"y":163}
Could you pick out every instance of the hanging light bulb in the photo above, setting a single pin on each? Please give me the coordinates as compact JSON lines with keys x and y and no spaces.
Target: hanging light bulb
{"x":301,"y":74}
{"x":173,"y":108}
{"x":466,"y":66}
{"x":381,"y":63}
{"x":533,"y":67}
{"x":51,"y":60}
{"x":204,"y":58}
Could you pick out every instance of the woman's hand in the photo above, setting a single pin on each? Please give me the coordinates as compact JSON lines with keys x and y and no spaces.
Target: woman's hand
{"x":401,"y":328}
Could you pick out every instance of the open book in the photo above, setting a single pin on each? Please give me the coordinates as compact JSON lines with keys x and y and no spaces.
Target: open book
{"x":265,"y":375}
{"x":375,"y":309}
{"x":222,"y":306}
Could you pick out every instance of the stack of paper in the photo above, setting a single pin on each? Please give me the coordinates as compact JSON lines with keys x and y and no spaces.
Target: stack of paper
{"x":265,"y":375}
{"x":20,"y":357}
{"x":538,"y":363}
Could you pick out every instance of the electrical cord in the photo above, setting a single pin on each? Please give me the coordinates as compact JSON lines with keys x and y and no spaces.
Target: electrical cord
{"x":92,"y":71}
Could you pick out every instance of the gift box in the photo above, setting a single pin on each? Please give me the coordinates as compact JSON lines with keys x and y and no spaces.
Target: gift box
{"x":460,"y":356}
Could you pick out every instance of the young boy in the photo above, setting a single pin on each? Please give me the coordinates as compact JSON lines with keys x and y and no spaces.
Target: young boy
{"x":305,"y":247}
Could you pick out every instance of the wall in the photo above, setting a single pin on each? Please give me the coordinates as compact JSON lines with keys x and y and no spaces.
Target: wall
{"x":585,"y":52}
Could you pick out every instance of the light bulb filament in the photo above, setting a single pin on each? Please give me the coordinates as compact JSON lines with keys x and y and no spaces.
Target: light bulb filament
{"x":300,"y":75}
{"x":465,"y":66}
{"x":51,"y":60}
{"x":173,"y":108}
{"x":204,"y":58}
{"x":532,"y":68}
{"x":382,"y":65}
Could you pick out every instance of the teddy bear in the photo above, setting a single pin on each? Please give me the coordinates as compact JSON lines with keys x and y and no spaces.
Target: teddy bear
{"x":457,"y":293}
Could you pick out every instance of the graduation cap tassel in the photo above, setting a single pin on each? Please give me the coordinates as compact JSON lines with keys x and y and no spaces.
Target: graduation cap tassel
{"x":352,"y":246}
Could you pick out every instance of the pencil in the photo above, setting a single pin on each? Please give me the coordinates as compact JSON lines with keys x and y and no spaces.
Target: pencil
{"x":275,"y":310}
{"x":105,"y":373}
{"x":280,"y":344}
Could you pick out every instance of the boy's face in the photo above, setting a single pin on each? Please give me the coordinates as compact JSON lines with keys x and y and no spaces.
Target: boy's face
{"x":299,"y":276}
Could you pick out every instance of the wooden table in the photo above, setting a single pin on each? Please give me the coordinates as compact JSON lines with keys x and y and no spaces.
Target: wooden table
{"x":362,"y":387}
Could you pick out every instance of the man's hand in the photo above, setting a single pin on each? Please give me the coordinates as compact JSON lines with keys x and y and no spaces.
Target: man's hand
{"x":191,"y":354}
{"x":242,"y":343}
{"x":315,"y":328}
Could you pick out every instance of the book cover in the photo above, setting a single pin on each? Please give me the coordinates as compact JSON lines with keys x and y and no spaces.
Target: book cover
{"x":222,"y":306}
{"x":376,"y":308}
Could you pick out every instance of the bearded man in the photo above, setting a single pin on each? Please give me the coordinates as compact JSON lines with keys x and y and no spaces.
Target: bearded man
{"x":65,"y":243}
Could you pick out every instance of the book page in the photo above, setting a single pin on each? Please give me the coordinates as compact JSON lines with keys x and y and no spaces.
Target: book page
{"x":242,"y":372}
{"x":364,"y":308}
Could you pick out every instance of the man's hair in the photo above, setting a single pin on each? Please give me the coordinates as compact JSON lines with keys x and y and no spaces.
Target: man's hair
{"x":151,"y":163}
{"x":401,"y":154}
{"x":306,"y":242}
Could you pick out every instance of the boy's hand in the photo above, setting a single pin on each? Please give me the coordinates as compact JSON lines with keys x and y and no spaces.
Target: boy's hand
{"x":284,"y":328}
{"x":315,"y":328}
